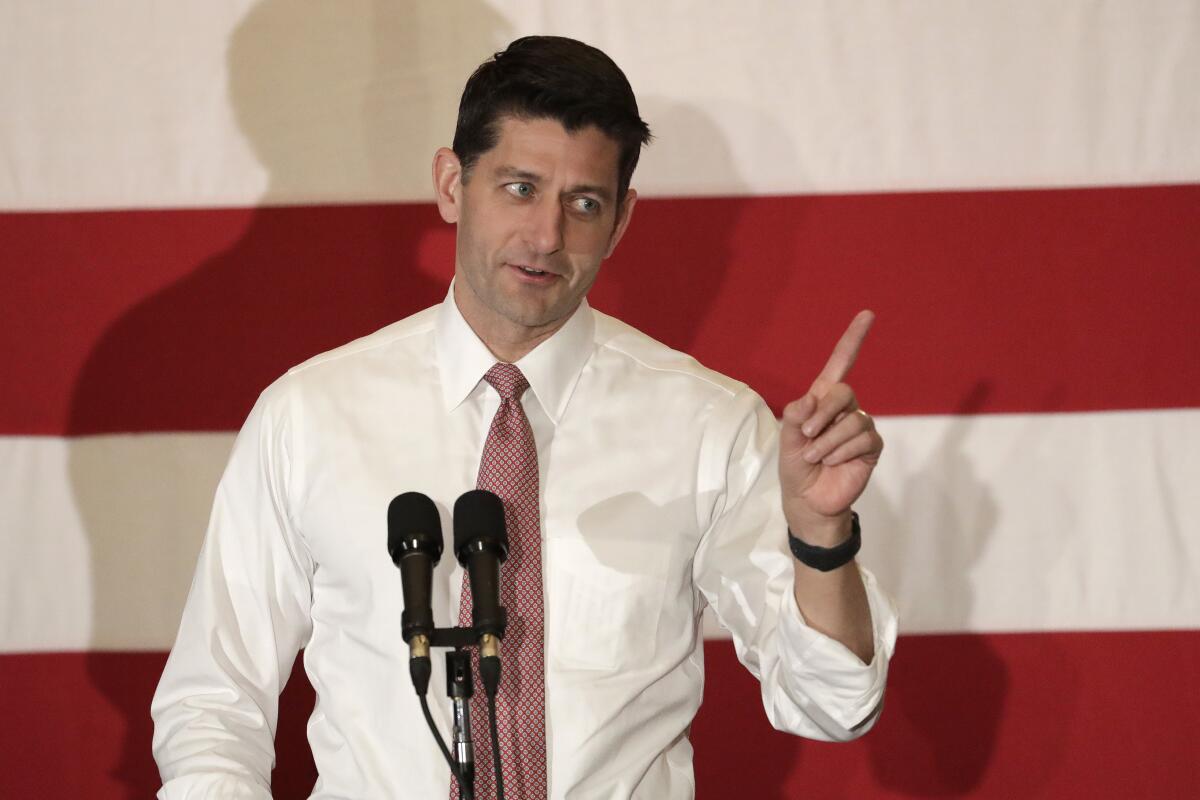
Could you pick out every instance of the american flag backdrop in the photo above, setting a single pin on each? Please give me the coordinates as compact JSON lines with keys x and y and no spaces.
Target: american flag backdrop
{"x":196,"y":195}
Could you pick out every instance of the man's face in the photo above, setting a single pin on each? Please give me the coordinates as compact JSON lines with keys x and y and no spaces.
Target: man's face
{"x":536,"y":216}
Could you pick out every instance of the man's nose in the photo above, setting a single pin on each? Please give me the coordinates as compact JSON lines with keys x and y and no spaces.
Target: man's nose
{"x":544,"y":226}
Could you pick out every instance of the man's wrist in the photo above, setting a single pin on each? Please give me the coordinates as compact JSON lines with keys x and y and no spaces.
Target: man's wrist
{"x":826,"y":559}
{"x":820,"y":531}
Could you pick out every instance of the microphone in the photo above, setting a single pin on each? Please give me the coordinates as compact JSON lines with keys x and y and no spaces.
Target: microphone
{"x":481,"y":545}
{"x":415,"y":545}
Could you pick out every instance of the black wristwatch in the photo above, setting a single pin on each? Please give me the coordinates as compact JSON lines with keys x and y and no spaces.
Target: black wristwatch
{"x":827,"y":558}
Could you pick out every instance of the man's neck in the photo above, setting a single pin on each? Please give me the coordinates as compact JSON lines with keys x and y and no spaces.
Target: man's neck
{"x":512,"y":349}
{"x":507,"y":341}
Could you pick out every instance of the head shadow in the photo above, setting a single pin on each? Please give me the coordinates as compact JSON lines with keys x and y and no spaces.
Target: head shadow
{"x":679,"y":274}
{"x":339,"y":102}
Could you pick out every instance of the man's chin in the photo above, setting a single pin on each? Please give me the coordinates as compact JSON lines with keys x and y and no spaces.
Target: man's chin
{"x":540,"y":316}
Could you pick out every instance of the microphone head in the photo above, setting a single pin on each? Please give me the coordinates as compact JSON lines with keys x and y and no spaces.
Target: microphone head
{"x":414,"y":527}
{"x":479,"y":525}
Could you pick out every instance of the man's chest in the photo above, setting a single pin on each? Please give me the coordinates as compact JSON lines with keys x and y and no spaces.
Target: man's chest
{"x":619,"y":524}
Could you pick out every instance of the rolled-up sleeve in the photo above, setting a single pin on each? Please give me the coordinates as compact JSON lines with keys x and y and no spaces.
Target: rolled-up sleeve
{"x":247,"y":615}
{"x":812,"y":685}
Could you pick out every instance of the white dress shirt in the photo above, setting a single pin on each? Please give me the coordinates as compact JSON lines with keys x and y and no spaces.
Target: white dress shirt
{"x":659,"y":496}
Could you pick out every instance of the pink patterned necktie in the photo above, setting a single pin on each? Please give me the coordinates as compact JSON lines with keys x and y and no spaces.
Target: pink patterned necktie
{"x":509,"y":468}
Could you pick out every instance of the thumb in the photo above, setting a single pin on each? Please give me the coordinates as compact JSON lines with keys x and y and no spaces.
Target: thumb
{"x":795,"y":413}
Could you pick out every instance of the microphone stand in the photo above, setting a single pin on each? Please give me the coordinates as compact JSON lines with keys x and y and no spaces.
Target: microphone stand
{"x":459,"y":688}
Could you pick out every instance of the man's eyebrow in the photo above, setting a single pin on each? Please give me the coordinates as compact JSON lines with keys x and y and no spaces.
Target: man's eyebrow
{"x":518,"y":174}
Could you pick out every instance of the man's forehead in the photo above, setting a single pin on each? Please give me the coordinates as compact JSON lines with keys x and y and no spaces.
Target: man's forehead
{"x":541,"y":145}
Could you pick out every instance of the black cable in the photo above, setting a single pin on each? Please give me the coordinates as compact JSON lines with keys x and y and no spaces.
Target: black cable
{"x":491,"y":707}
{"x":489,"y":674}
{"x":463,"y":791}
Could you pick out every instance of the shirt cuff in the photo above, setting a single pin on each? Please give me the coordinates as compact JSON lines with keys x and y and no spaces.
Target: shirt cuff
{"x":206,"y":786}
{"x":828,"y":674}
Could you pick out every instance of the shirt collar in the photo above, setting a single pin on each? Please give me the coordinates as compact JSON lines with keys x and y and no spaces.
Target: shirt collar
{"x":552,"y":368}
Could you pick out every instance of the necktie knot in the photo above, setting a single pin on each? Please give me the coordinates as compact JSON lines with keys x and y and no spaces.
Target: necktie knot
{"x":507,"y":380}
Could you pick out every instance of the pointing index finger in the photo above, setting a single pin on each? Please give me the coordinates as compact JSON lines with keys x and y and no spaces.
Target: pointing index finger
{"x":845,"y":351}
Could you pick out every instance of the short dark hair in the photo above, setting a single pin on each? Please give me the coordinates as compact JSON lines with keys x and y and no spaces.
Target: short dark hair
{"x":550,"y":77}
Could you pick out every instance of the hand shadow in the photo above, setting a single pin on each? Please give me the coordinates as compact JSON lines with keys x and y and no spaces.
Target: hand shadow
{"x":941,"y":717}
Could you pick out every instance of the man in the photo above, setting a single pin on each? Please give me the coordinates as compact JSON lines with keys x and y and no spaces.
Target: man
{"x":639,"y":487}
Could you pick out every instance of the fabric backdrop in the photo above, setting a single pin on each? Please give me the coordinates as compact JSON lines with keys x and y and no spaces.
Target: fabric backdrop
{"x":196,"y":195}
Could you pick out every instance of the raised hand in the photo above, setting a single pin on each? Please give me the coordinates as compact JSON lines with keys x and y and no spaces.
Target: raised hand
{"x":828,"y":447}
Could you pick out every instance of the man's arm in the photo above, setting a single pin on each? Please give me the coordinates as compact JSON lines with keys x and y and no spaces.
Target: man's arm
{"x":247,"y":614}
{"x":812,"y":685}
{"x":828,"y":448}
{"x":835,"y":602}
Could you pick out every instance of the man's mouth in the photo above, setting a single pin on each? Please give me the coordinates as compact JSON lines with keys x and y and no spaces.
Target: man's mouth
{"x":533,"y":272}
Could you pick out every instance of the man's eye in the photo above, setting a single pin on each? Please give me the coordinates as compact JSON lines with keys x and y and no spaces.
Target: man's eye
{"x":520,"y":189}
{"x":586,"y":205}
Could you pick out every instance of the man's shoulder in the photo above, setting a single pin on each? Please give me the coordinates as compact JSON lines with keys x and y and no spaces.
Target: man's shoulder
{"x":651,"y":359}
{"x":404,"y":345}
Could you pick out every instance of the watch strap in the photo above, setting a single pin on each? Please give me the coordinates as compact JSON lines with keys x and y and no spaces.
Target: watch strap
{"x":827,"y":558}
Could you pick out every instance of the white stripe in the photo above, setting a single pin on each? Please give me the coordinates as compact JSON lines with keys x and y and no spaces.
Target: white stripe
{"x":202,"y":103}
{"x":988,"y":523}
{"x":100,"y":537}
{"x":1039,"y":522}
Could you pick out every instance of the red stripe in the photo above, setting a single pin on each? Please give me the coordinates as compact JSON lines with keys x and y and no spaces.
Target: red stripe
{"x":1000,"y":716}
{"x":1084,"y":715}
{"x":987,"y":301}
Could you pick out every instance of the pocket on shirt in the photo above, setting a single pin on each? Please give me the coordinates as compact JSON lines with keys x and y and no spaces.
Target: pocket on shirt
{"x":603,"y":615}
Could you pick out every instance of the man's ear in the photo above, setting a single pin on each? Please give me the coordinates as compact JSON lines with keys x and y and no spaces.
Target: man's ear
{"x":447,"y":181}
{"x":624,"y":213}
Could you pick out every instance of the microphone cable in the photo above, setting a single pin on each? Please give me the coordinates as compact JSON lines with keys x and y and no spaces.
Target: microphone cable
{"x":491,"y":704}
{"x":489,"y":673}
{"x":464,"y":791}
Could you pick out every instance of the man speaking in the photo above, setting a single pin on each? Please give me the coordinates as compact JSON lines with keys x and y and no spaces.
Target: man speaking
{"x":638,"y":488}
